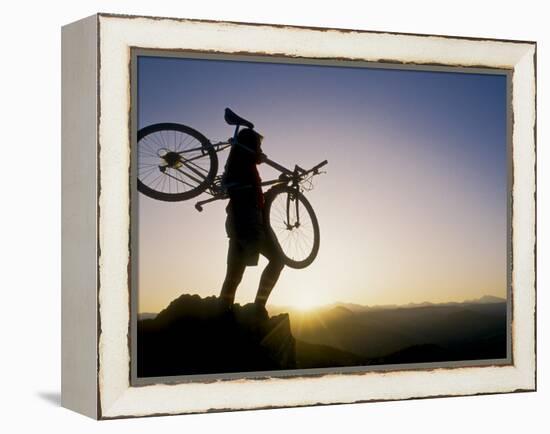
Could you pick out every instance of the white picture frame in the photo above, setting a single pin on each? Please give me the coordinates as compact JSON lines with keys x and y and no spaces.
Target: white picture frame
{"x":96,"y":140}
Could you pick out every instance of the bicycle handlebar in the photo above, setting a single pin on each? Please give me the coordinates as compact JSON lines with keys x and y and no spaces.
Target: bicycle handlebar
{"x":284,"y":170}
{"x":316,"y":168}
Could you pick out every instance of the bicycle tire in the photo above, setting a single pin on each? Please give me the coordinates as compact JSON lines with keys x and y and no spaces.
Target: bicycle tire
{"x":270,"y":197}
{"x":205,"y":147}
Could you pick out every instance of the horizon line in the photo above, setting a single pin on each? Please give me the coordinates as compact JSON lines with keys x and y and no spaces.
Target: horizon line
{"x":374,"y":306}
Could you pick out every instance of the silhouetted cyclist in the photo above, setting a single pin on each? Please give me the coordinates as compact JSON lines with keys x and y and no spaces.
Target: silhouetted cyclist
{"x":245,"y":221}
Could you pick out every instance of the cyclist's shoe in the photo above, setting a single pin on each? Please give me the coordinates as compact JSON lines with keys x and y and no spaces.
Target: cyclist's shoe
{"x":259,"y":312}
{"x":253,"y":315}
{"x":225,"y":308}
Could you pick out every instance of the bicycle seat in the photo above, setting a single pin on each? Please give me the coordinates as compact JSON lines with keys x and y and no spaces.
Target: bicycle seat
{"x":233,"y":118}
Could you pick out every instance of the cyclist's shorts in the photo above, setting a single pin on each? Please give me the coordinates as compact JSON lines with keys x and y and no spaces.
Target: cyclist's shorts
{"x":248,"y":251}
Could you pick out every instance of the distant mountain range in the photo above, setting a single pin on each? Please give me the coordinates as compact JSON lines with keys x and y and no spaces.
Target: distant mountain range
{"x":354,"y":307}
{"x":482,"y":300}
{"x":432,"y":332}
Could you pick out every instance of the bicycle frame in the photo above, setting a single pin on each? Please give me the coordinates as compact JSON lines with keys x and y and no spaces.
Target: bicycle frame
{"x":291,"y":177}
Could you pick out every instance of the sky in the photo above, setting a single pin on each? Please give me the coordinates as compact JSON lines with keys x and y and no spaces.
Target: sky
{"x":413,"y":205}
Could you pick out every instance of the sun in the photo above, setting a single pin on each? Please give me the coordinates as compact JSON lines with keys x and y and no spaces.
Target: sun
{"x":304,"y":302}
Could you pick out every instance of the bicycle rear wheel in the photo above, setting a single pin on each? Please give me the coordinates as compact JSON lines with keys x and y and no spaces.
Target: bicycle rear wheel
{"x":293,"y":225}
{"x":174,"y":162}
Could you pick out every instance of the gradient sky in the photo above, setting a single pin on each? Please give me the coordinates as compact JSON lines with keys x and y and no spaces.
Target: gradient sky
{"x":412,"y":209}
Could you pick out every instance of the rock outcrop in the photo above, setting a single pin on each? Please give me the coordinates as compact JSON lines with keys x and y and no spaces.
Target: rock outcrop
{"x":195,"y":336}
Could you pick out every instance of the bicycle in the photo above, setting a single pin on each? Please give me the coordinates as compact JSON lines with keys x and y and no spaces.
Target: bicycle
{"x":177,"y":163}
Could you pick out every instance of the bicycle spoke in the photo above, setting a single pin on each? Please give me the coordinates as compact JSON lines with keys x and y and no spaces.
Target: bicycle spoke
{"x":154,"y":141}
{"x":181,"y":182}
{"x":156,"y":179}
{"x":147,"y":172}
{"x":184,"y":142}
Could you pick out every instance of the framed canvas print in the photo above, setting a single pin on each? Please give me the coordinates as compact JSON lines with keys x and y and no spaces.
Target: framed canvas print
{"x":261,"y":216}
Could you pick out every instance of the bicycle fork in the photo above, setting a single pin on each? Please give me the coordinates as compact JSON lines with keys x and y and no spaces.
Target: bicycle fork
{"x":289,"y":198}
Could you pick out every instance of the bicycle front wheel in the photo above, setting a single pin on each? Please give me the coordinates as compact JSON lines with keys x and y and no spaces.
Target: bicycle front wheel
{"x":174,"y":162}
{"x":293,"y":225}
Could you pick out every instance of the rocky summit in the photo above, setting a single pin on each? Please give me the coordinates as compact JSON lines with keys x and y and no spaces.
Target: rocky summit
{"x":195,"y":335}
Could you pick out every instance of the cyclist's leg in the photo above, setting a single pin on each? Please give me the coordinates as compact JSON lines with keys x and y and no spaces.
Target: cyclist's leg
{"x":271,"y":272}
{"x":234,"y":273}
